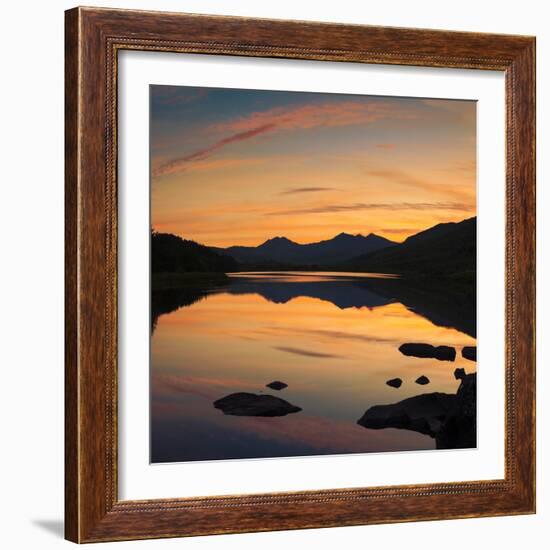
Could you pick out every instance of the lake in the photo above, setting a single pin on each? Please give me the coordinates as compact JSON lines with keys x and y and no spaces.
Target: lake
{"x":332,"y":337}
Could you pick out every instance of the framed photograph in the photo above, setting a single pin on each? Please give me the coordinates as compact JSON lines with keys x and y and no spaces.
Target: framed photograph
{"x":300,"y":275}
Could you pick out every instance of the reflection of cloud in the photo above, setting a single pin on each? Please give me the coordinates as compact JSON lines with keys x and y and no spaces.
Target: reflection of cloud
{"x":297,"y":190}
{"x":325,"y":434}
{"x":208,"y":388}
{"x":358,"y":206}
{"x":307,"y":353}
{"x":318,"y":433}
{"x":345,"y":335}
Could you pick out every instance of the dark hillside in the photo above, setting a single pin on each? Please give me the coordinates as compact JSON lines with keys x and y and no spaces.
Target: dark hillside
{"x":172,"y":254}
{"x":445,"y":250}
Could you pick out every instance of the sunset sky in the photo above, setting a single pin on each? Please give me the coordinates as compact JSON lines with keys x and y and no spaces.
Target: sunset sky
{"x":235,"y":166}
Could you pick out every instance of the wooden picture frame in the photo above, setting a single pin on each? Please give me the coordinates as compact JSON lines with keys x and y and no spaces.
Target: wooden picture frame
{"x":93,"y":511}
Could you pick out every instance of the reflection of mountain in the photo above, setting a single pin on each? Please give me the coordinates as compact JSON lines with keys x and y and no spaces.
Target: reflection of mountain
{"x":447,"y":249}
{"x":444,"y":304}
{"x":343,"y":294}
{"x":283,"y":251}
{"x":170,"y":299}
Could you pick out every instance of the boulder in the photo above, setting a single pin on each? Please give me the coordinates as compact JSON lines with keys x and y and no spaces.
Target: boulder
{"x":395,"y":382}
{"x":277,"y":385}
{"x":467,"y":395}
{"x":250,"y":404}
{"x":417,"y":350}
{"x":422,"y":380}
{"x":450,"y":419}
{"x":445,"y":353}
{"x":421,"y":413}
{"x":469,"y":352}
{"x":427,"y":351}
{"x":460,"y":374}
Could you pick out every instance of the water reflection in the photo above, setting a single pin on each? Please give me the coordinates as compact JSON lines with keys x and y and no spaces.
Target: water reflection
{"x":332,"y":337}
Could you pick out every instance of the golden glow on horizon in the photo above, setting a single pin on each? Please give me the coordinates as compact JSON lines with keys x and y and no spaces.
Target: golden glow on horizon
{"x":316,"y":170}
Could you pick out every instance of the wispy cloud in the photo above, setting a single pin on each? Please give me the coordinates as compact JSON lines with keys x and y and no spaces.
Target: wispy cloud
{"x":220,"y":164}
{"x":298,"y":190}
{"x":179,"y":164}
{"x":332,"y":208}
{"x":398,"y":176}
{"x":330,"y":114}
{"x":385,"y":145}
{"x":279,"y":118}
{"x":403,"y":177}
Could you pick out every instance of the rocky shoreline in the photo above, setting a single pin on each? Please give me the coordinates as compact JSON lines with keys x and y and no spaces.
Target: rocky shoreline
{"x":448,"y":418}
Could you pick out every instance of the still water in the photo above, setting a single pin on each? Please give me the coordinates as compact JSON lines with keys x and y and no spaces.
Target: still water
{"x":332,"y":337}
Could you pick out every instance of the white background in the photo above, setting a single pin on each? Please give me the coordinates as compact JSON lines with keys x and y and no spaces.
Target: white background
{"x":31,"y":472}
{"x":140,"y":480}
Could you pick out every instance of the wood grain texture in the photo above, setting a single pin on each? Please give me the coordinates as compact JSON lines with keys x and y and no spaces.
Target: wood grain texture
{"x":93,"y":38}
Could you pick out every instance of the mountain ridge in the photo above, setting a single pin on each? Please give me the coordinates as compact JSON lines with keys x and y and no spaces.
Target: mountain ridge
{"x":443,"y":250}
{"x":281,"y":250}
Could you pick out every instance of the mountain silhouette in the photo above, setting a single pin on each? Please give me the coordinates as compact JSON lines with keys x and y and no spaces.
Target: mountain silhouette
{"x":444,"y":250}
{"x":283,"y":251}
{"x":172,"y":254}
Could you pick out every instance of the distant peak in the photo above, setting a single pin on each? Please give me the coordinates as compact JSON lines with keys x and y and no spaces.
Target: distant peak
{"x":277,"y":241}
{"x":345,"y":235}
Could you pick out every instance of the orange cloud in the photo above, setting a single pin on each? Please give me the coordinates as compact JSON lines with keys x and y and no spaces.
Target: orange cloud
{"x":311,"y":116}
{"x":211,"y":164}
{"x":332,"y":208}
{"x":298,"y":190}
{"x":280,"y":118}
{"x":179,"y":164}
{"x":417,"y":182}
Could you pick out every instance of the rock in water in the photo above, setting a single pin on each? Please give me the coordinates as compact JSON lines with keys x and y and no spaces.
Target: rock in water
{"x":460,"y":374}
{"x":422,"y":380}
{"x":450,"y":419}
{"x":417,"y":350}
{"x":250,"y":404}
{"x":445,"y":353}
{"x":395,"y":382}
{"x":277,"y":385}
{"x":469,"y":352}
{"x":467,"y":395}
{"x":427,"y":351}
{"x":459,"y":430}
{"x":422,"y":413}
